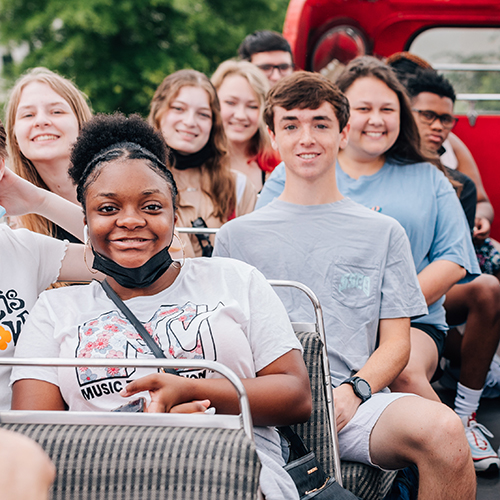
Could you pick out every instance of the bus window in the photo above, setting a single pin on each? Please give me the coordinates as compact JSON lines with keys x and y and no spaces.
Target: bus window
{"x":470,"y":59}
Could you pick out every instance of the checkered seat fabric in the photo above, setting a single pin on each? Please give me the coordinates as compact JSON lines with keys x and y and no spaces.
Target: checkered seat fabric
{"x":364,"y":481}
{"x":97,"y":462}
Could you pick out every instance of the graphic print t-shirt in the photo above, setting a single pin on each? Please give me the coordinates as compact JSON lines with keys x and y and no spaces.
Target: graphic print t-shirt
{"x":29,"y":263}
{"x":217,"y":309}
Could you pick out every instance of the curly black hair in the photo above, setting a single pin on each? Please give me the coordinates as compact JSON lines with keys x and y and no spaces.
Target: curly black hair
{"x":430,"y":81}
{"x":106,"y":138}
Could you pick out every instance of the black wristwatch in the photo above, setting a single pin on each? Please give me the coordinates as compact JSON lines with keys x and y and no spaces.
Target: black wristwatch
{"x":360,"y":387}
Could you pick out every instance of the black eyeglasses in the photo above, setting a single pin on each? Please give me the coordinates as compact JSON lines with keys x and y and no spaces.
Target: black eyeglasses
{"x":268,"y":69}
{"x":429,"y":117}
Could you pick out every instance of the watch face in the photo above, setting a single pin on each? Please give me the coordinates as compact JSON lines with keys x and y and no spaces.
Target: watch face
{"x":363,"y":388}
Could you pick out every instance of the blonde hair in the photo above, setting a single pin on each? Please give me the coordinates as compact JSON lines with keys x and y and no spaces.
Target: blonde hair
{"x":222,"y":187}
{"x":259,"y":144}
{"x":22,"y":165}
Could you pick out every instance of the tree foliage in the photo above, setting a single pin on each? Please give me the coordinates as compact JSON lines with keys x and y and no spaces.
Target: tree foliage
{"x":118,"y":51}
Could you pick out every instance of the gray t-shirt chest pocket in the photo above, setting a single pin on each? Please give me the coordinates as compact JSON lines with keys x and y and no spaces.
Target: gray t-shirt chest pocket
{"x":354,"y":285}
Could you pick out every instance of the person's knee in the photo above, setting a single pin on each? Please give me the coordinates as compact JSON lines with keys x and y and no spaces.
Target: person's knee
{"x":485,"y":294}
{"x":441,"y":440}
{"x":409,"y":379}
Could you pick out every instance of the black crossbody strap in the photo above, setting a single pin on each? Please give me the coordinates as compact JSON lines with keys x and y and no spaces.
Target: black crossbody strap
{"x":298,"y":446}
{"x":136,"y":323}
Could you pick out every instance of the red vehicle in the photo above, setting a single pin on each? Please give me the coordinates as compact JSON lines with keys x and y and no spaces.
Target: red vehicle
{"x":460,"y":37}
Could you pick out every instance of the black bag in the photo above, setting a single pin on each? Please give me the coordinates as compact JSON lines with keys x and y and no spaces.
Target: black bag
{"x":307,"y":473}
{"x":204,"y":241}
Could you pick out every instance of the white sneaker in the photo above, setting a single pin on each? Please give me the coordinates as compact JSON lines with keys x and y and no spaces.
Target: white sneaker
{"x":483,"y":455}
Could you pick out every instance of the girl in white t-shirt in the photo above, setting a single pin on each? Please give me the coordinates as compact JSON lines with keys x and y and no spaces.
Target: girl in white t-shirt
{"x":30,"y":262}
{"x":216,"y":309}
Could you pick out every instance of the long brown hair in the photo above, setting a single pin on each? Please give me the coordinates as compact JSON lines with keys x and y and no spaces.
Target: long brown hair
{"x":221,"y":187}
{"x":19,"y":163}
{"x":406,"y":149}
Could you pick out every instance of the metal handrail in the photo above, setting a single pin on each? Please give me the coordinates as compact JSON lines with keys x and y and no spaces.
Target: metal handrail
{"x":478,"y":97}
{"x":150,"y":363}
{"x":197,"y":230}
{"x":465,"y":67}
{"x":320,"y":329}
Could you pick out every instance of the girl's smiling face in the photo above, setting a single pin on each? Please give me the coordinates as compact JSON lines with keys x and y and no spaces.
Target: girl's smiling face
{"x":375,"y":118}
{"x":45,"y":126}
{"x":187,"y":122}
{"x":240,"y":108}
{"x":129,"y":212}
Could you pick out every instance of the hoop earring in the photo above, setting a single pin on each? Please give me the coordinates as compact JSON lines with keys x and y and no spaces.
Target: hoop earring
{"x":182,"y":248}
{"x":87,"y":245}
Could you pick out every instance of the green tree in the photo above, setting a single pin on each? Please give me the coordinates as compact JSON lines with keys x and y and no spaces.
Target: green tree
{"x":118,"y":51}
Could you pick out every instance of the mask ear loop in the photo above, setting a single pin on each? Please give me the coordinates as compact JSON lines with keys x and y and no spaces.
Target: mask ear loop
{"x":182,"y":248}
{"x":85,"y":247}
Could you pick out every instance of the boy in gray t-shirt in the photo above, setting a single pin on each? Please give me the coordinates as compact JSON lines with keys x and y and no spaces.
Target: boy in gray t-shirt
{"x":360,"y":267}
{"x":359,"y":264}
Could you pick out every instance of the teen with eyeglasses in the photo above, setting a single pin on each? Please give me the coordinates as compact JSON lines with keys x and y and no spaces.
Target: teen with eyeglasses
{"x":477,"y":303}
{"x":383,"y":168}
{"x":270,"y":52}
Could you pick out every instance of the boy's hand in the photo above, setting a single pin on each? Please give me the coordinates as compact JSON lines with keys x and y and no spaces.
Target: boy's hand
{"x":346,"y":404}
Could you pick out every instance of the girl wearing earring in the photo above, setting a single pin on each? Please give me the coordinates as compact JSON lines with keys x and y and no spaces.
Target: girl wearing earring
{"x":219,"y":309}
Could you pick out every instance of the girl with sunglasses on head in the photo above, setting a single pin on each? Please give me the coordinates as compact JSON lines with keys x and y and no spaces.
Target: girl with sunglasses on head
{"x":383,"y":168}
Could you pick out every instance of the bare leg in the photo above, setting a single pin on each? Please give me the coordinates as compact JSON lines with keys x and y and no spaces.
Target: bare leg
{"x":478,"y":302}
{"x":420,"y":368}
{"x":430,"y":435}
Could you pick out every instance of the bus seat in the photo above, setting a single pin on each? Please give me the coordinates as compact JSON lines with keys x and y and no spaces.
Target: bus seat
{"x":123,"y":456}
{"x":319,"y":432}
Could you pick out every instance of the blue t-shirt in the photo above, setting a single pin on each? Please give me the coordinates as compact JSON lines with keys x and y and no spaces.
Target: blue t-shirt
{"x":424,"y":202}
{"x":273,"y":187}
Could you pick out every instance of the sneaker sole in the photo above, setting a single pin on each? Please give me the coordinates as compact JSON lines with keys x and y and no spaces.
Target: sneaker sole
{"x":489,"y":465}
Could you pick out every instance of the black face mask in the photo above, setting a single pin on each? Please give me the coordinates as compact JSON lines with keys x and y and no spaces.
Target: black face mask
{"x":194,"y":160}
{"x":136,"y":277}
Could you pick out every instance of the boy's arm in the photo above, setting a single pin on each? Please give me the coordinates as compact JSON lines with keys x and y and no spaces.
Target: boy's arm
{"x":468,"y":166}
{"x":383,"y":366}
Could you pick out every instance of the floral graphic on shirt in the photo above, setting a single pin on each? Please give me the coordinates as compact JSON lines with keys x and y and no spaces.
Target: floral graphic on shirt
{"x":182,"y":332}
{"x":5,"y":338}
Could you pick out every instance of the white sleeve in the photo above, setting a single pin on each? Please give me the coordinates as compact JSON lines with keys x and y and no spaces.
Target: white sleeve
{"x":47,"y":252}
{"x":38,"y":341}
{"x":270,"y":332}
